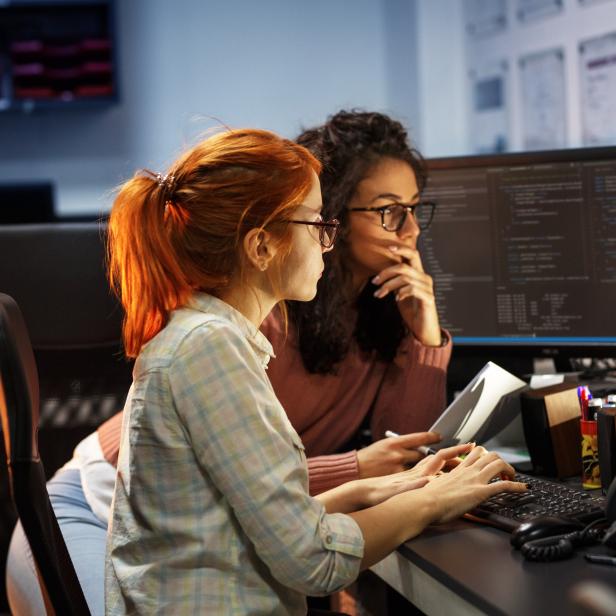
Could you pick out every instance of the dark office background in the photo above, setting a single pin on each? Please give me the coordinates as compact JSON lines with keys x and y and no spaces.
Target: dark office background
{"x":274,"y":64}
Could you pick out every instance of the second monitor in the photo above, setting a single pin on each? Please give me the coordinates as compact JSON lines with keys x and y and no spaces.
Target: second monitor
{"x":522,"y":247}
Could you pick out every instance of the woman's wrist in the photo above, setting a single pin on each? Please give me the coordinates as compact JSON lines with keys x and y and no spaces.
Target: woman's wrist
{"x":421,"y":506}
{"x":407,"y":514}
{"x":435,"y":342}
{"x":360,"y":493}
{"x":345,"y":498}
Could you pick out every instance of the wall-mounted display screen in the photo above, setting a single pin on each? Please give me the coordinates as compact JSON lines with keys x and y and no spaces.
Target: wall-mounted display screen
{"x":56,"y":54}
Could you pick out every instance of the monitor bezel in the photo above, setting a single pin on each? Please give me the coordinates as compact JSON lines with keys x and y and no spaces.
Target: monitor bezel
{"x":516,"y":158}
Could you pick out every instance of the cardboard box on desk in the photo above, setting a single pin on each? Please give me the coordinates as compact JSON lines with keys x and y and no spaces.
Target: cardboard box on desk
{"x":551,"y":421}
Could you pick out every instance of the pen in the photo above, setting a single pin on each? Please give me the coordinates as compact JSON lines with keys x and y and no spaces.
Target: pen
{"x":422,"y":449}
{"x":601,"y":559}
{"x":584,"y":396}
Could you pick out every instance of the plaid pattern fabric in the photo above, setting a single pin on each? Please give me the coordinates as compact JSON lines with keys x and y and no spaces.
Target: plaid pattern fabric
{"x":211,"y":511}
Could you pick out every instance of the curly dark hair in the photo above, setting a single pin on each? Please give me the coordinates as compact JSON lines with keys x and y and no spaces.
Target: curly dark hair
{"x":348,"y":145}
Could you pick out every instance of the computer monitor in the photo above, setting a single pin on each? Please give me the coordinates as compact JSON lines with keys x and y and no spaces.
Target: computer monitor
{"x":522,"y":250}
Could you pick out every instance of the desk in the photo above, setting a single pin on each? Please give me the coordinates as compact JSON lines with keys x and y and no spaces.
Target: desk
{"x":465,"y":569}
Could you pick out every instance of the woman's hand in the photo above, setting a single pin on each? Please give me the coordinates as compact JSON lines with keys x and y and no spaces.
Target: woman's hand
{"x":445,"y":497}
{"x":465,"y":486}
{"x":375,"y":490}
{"x":393,"y":455}
{"x":444,"y":459}
{"x":361,"y":493}
{"x":414,"y":292}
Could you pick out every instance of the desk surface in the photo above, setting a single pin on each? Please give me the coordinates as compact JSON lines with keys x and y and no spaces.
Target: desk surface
{"x":476,"y":565}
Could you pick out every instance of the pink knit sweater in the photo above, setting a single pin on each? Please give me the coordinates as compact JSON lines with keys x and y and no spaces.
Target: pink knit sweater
{"x":406,"y":395}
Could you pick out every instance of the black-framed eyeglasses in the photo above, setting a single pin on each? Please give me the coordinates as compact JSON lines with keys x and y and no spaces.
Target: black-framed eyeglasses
{"x":328,"y":230}
{"x":394,"y":215}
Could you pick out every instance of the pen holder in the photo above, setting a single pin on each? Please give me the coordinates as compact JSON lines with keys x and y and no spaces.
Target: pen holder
{"x":590,"y":455}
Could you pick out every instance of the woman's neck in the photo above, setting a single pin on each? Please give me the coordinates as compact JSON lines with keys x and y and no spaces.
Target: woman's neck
{"x":249,"y":301}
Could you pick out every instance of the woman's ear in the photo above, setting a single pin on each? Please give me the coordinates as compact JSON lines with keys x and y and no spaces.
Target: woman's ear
{"x":259,"y":248}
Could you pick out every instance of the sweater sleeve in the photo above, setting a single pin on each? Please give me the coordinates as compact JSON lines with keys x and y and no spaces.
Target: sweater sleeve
{"x":109,"y":438}
{"x":413,"y":392}
{"x":327,"y":472}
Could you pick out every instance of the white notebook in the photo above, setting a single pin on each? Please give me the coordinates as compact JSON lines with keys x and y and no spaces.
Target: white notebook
{"x":482,"y":409}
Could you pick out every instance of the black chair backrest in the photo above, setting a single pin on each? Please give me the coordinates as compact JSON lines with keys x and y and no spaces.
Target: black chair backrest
{"x":19,"y":408}
{"x":56,"y":273}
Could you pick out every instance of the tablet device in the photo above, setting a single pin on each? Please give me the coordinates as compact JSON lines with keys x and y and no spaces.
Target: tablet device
{"x":483,"y":408}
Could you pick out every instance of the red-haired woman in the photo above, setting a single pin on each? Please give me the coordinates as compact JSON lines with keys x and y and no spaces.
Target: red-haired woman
{"x":211,"y":510}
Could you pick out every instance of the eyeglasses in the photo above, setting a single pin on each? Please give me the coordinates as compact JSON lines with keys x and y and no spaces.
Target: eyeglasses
{"x":394,"y":215}
{"x":328,"y":230}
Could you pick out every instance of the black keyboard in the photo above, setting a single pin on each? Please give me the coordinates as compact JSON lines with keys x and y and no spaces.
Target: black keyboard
{"x":508,"y":510}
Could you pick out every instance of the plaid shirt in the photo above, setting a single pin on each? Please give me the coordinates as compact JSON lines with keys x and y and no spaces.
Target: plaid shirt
{"x":211,"y":512}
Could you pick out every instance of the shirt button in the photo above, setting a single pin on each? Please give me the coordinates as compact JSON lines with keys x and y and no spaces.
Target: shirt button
{"x":328,"y":539}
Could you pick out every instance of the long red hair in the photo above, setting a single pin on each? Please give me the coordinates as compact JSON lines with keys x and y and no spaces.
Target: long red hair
{"x":170,"y":236}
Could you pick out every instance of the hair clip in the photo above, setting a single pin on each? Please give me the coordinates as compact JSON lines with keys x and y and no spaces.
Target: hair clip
{"x":166,"y":181}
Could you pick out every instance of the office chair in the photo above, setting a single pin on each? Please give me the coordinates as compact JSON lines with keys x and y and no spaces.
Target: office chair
{"x":56,"y":274}
{"x":19,"y":405}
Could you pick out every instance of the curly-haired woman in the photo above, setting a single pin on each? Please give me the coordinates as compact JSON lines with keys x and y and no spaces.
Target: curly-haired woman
{"x":368,"y":350}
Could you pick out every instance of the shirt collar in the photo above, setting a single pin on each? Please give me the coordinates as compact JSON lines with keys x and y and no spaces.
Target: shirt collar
{"x":208,"y":303}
